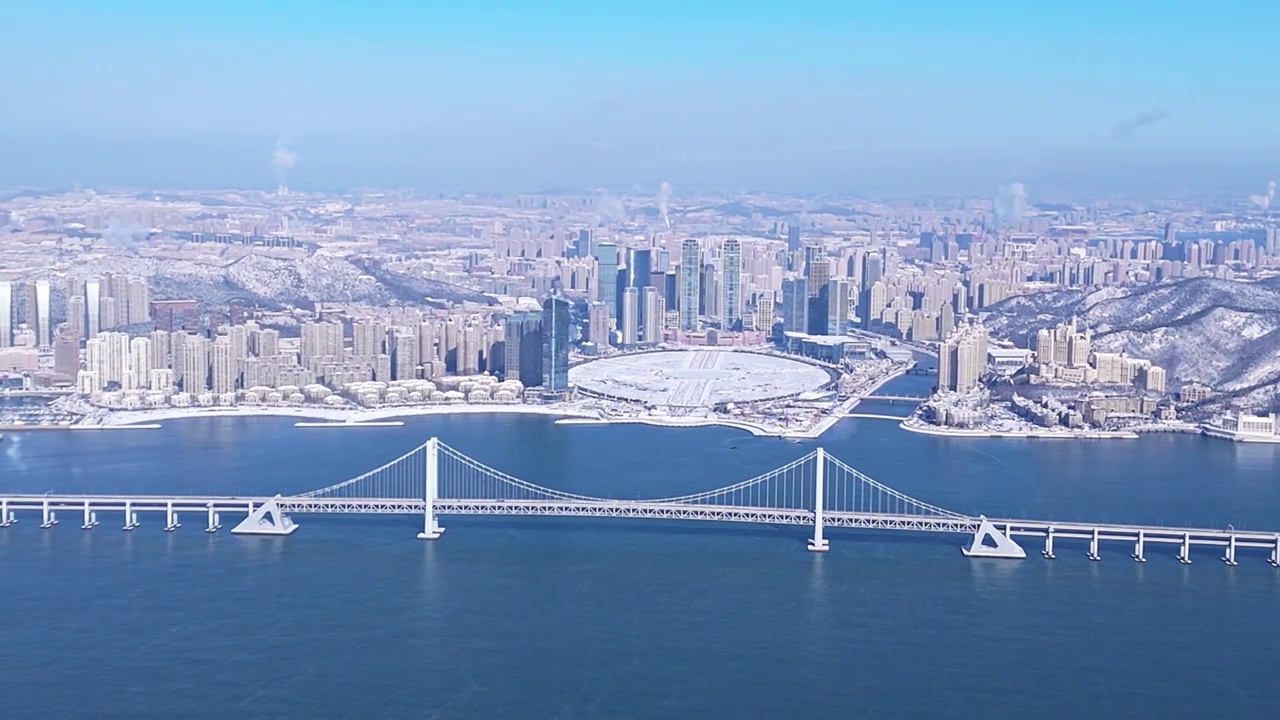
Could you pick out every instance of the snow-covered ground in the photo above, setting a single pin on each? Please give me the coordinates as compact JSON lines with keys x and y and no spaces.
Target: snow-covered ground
{"x":698,"y":378}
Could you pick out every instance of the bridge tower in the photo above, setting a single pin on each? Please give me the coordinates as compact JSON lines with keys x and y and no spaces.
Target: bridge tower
{"x":431,"y":529}
{"x":818,"y":543}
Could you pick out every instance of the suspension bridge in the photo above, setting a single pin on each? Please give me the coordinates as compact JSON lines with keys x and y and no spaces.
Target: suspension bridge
{"x":815,"y":490}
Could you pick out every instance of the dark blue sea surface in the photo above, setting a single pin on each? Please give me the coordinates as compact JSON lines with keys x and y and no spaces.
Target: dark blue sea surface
{"x":573,"y":618}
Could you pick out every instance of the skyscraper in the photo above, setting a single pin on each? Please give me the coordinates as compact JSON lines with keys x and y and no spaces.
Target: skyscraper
{"x":607,"y":280}
{"x":44,"y":337}
{"x":872,"y":270}
{"x":630,"y":317}
{"x":836,"y":296}
{"x":6,"y":313}
{"x":652,"y":329}
{"x":732,"y":283}
{"x":795,"y":305}
{"x":93,"y":306}
{"x":522,"y":352}
{"x":816,"y":269}
{"x":639,"y":267}
{"x":639,"y":276}
{"x":690,"y":274}
{"x":556,"y":327}
{"x":793,"y":238}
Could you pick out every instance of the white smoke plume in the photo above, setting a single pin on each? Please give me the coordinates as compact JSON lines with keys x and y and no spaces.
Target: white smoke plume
{"x":1264,"y":201}
{"x":664,"y":196}
{"x":609,"y":210}
{"x":1010,"y":205}
{"x":283,"y":160}
{"x":123,"y":235}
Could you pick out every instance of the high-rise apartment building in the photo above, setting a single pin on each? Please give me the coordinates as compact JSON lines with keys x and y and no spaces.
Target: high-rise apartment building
{"x":732,"y":283}
{"x":321,"y":342}
{"x":690,"y":275}
{"x":138,"y":373}
{"x":223,"y":373}
{"x":962,"y":358}
{"x":598,"y":324}
{"x":764,"y":313}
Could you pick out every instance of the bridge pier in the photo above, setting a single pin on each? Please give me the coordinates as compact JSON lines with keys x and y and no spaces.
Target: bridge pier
{"x":90,"y":517}
{"x":1048,"y":545}
{"x":1275,"y":554}
{"x":1139,"y":548}
{"x":818,"y":543}
{"x":1230,"y":557}
{"x":1184,"y":554}
{"x":215,"y":523}
{"x":6,"y":517}
{"x":130,"y":517}
{"x":431,"y":529}
{"x":171,"y":519}
{"x":1093,"y":547}
{"x":48,"y":517}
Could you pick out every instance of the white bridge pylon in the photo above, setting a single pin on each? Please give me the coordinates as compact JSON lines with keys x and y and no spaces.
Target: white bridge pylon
{"x":816,"y":489}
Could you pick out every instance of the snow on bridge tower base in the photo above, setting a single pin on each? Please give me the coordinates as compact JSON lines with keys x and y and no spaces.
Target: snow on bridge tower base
{"x":431,"y":529}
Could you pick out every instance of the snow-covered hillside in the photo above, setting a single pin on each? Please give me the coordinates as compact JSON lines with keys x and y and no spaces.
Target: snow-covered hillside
{"x":1222,"y":333}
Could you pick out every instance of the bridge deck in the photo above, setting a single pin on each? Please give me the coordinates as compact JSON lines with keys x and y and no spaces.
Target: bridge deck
{"x":639,"y":509}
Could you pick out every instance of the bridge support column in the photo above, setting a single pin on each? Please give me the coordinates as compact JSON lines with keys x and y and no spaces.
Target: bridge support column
{"x":6,"y":517}
{"x":1093,"y":547}
{"x":1230,"y":557}
{"x":1184,"y":555}
{"x":431,"y":529}
{"x":215,"y":523}
{"x":171,"y":518}
{"x":130,"y":517}
{"x":1140,"y":547}
{"x":1275,"y":553}
{"x":48,"y":518}
{"x":90,"y":517}
{"x":818,"y":543}
{"x":1048,"y":545}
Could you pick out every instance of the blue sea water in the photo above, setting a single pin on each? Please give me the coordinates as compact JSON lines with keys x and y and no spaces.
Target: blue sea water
{"x":575,"y":618}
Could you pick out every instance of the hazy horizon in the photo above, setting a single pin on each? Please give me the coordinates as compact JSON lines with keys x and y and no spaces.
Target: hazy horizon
{"x":816,"y":97}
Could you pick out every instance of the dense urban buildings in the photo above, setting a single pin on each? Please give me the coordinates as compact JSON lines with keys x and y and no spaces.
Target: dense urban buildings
{"x":283,"y":291}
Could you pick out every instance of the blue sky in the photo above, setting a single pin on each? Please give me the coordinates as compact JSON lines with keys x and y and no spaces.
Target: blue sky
{"x":803,"y":95}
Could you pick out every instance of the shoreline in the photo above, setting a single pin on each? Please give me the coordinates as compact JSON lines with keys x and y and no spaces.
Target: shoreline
{"x":1020,"y":434}
{"x":567,"y":413}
